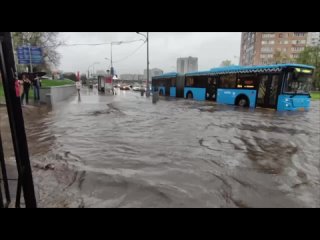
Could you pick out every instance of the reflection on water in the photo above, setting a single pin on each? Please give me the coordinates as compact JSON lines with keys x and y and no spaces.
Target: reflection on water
{"x":124,"y":151}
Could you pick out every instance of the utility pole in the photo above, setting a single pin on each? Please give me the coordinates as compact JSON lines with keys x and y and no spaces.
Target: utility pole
{"x":148,"y":88}
{"x":147,"y":39}
{"x":111,"y":69}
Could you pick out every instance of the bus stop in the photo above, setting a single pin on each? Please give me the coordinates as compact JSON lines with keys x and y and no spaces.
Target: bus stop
{"x":105,"y":84}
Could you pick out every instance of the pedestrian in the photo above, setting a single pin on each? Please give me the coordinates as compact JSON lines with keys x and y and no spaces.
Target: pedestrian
{"x":17,"y":86}
{"x":36,"y":87}
{"x":211,"y":89}
{"x":26,"y":88}
{"x":20,"y":85}
{"x":78,"y":85}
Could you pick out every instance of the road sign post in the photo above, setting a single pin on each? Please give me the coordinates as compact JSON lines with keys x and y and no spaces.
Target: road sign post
{"x":30,"y":56}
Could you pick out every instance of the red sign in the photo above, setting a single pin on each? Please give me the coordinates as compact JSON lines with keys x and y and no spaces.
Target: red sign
{"x":108,"y":80}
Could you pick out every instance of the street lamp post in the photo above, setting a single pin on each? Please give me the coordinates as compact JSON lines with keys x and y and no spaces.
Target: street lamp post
{"x":111,"y":62}
{"x":108,"y":59}
{"x":147,"y":40}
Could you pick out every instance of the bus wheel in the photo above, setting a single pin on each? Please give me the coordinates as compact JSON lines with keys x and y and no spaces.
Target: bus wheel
{"x":189,"y":95}
{"x":243,"y":102}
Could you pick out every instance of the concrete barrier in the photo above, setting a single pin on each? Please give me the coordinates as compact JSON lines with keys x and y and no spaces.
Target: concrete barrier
{"x":51,"y":95}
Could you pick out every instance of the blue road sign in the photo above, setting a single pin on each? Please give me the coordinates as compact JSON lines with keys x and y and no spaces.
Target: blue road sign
{"x":24,"y":55}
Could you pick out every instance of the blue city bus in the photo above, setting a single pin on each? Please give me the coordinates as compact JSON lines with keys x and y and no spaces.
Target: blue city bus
{"x":281,"y":86}
{"x":169,"y":84}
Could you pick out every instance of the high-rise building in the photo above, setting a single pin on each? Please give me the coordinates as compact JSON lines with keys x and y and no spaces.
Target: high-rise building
{"x":313,"y":39}
{"x":259,"y":48}
{"x":189,"y":64}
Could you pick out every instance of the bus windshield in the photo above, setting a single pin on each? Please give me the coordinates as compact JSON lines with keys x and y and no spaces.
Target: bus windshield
{"x":298,"y":83}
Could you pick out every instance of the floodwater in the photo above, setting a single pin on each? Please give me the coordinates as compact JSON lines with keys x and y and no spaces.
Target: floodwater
{"x":124,"y":151}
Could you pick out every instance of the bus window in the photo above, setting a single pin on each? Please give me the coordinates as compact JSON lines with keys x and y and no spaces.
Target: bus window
{"x":239,"y":83}
{"x":200,"y":81}
{"x":228,"y":81}
{"x":173,"y":82}
{"x":215,"y":81}
{"x":189,"y":82}
{"x":297,"y":83}
{"x":247,"y":81}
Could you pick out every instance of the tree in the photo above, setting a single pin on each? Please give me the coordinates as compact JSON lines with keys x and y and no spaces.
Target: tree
{"x":311,"y":56}
{"x":226,"y":63}
{"x":70,"y":75}
{"x":49,"y":43}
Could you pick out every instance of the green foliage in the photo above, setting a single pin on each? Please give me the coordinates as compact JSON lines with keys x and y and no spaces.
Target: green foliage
{"x":48,"y":41}
{"x":315,"y":95}
{"x":226,"y":63}
{"x":71,"y":76}
{"x":311,"y":56}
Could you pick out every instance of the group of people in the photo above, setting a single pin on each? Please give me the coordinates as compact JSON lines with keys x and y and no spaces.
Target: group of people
{"x":23,"y":85}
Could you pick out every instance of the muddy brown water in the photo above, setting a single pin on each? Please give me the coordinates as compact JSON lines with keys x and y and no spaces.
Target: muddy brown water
{"x":124,"y":151}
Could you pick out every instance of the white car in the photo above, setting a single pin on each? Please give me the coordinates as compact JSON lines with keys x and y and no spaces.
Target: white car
{"x":136,"y":88}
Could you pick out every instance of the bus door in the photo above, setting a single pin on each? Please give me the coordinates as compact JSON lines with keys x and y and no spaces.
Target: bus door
{"x":211,"y":91}
{"x":268,"y":90}
{"x":167,"y":86}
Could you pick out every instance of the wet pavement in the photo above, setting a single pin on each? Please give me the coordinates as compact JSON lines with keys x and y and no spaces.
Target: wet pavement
{"x":124,"y":151}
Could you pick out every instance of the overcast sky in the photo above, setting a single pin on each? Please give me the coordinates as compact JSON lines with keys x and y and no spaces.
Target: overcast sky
{"x":165,"y":48}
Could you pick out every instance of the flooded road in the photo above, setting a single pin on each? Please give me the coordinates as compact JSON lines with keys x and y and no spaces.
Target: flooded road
{"x":124,"y":151}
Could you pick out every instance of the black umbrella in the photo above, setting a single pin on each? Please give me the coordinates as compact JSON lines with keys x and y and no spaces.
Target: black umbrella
{"x":40,"y":74}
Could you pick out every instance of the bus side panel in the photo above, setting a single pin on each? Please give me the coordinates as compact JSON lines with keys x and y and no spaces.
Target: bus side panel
{"x":228,"y":96}
{"x":198,"y":93}
{"x":180,"y":86}
{"x":288,"y":102}
{"x":173,"y":91}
